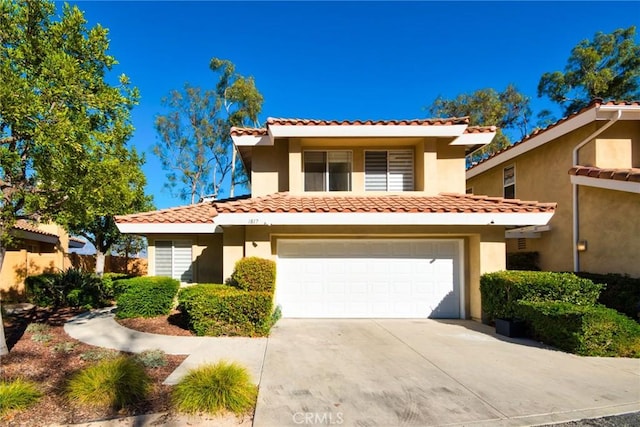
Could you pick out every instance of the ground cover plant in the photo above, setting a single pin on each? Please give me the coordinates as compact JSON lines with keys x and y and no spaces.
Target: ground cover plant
{"x":214,"y":388}
{"x":32,"y":361}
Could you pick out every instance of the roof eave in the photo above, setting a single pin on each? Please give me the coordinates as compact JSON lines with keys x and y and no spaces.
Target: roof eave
{"x":385,"y":218}
{"x":166,"y":228}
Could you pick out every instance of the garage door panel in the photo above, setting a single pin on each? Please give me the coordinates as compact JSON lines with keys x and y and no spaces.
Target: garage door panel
{"x":368,"y":278}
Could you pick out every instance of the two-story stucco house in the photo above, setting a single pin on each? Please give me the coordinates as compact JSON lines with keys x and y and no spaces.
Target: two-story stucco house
{"x":589,"y":163}
{"x":363,"y":218}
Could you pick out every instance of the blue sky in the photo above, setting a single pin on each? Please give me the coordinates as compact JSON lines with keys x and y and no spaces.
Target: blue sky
{"x":335,"y":60}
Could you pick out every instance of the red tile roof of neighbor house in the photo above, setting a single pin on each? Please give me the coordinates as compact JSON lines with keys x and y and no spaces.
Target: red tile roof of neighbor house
{"x":238,"y":131}
{"x":632,"y":175}
{"x":285,"y":202}
{"x":593,"y":104}
{"x":24,"y":225}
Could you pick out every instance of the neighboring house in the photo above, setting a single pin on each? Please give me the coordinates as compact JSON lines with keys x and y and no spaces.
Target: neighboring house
{"x":589,"y":163}
{"x":363,"y":218}
{"x":36,"y":248}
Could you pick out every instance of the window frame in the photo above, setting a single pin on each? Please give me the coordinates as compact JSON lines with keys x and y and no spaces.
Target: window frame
{"x":504,"y":181}
{"x":173,"y":244}
{"x":388,"y":169}
{"x":326,"y":172}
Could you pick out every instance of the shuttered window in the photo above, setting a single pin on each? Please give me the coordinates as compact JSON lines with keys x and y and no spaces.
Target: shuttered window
{"x":173,"y":259}
{"x":388,"y":170}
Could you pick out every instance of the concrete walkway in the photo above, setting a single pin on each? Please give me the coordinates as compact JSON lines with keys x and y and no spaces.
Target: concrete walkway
{"x":99,"y":328}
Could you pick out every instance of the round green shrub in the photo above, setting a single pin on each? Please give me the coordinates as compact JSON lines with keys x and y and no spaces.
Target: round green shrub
{"x":214,"y":388}
{"x":115,"y":383}
{"x":254,"y":274}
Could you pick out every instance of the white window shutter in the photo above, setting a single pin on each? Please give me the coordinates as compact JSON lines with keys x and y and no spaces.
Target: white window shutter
{"x":400,"y":170}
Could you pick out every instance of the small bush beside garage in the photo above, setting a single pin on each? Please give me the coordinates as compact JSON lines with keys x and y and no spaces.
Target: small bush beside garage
{"x":585,"y":330}
{"x":502,"y":290}
{"x":224,"y":310}
{"x":145,"y":296}
{"x":243,"y":307}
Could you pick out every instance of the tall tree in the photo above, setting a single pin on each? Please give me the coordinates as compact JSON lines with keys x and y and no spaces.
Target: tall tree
{"x":58,"y":114}
{"x":194,"y":144}
{"x":127,"y":246}
{"x":91,"y":214}
{"x":507,"y":110}
{"x":607,"y":67}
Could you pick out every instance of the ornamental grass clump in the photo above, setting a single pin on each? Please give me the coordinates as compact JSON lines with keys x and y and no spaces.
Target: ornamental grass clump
{"x":116,"y":383}
{"x":17,"y":395}
{"x":214,"y":388}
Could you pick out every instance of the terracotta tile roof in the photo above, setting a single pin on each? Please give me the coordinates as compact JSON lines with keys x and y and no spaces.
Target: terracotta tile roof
{"x":248,"y":131}
{"x":238,"y":131}
{"x":284,"y":202}
{"x":450,"y":203}
{"x":632,"y":175}
{"x":24,"y":225}
{"x":200,"y":213}
{"x":480,"y":129}
{"x":593,"y":104}
{"x":410,"y":122}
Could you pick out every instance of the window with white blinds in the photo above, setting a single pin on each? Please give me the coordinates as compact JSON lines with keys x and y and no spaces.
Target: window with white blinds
{"x":388,"y":170}
{"x":173,"y":259}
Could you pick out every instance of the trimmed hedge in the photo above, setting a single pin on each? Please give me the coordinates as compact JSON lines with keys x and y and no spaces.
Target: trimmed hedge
{"x":223,"y":310}
{"x":502,"y":290}
{"x":254,"y":274}
{"x":148,"y":296}
{"x":584,"y":330}
{"x":621,"y":293}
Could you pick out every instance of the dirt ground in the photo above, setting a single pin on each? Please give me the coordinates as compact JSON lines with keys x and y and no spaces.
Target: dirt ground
{"x":51,"y":357}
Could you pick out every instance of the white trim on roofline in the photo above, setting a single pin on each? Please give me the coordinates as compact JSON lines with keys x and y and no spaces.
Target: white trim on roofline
{"x":483,"y":138}
{"x":383,"y":219}
{"x":292,"y":131}
{"x":535,"y":142}
{"x":609,"y":184}
{"x":251,"y":140}
{"x":530,"y":232}
{"x":162,"y":228}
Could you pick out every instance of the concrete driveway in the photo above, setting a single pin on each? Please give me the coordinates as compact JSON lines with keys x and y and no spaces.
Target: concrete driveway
{"x":428,"y":372}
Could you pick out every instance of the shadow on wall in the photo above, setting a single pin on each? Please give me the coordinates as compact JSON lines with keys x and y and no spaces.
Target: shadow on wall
{"x":209,"y":266}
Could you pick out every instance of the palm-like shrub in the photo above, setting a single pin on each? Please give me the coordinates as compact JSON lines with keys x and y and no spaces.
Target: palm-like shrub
{"x":214,"y":388}
{"x":115,"y":383}
{"x":17,"y":395}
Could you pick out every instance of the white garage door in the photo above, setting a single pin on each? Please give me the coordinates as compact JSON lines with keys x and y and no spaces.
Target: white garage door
{"x":369,"y":278}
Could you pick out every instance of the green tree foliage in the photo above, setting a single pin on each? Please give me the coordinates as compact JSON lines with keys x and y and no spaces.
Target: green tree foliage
{"x":59,"y":117}
{"x":606,"y":67}
{"x":508,"y":110}
{"x":194,"y":144}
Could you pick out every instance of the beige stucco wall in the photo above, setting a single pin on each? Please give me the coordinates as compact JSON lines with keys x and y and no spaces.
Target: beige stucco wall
{"x":542,"y":175}
{"x":206,"y":254}
{"x":438,"y":166}
{"x":610,"y":223}
{"x":484,"y":247}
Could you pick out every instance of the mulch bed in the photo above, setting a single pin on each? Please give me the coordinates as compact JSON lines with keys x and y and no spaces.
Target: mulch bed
{"x":174,"y":324}
{"x":50,"y":364}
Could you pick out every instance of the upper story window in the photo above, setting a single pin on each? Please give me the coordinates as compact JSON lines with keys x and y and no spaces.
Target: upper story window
{"x":509,"y":182}
{"x":327,"y":170}
{"x":388,"y":170}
